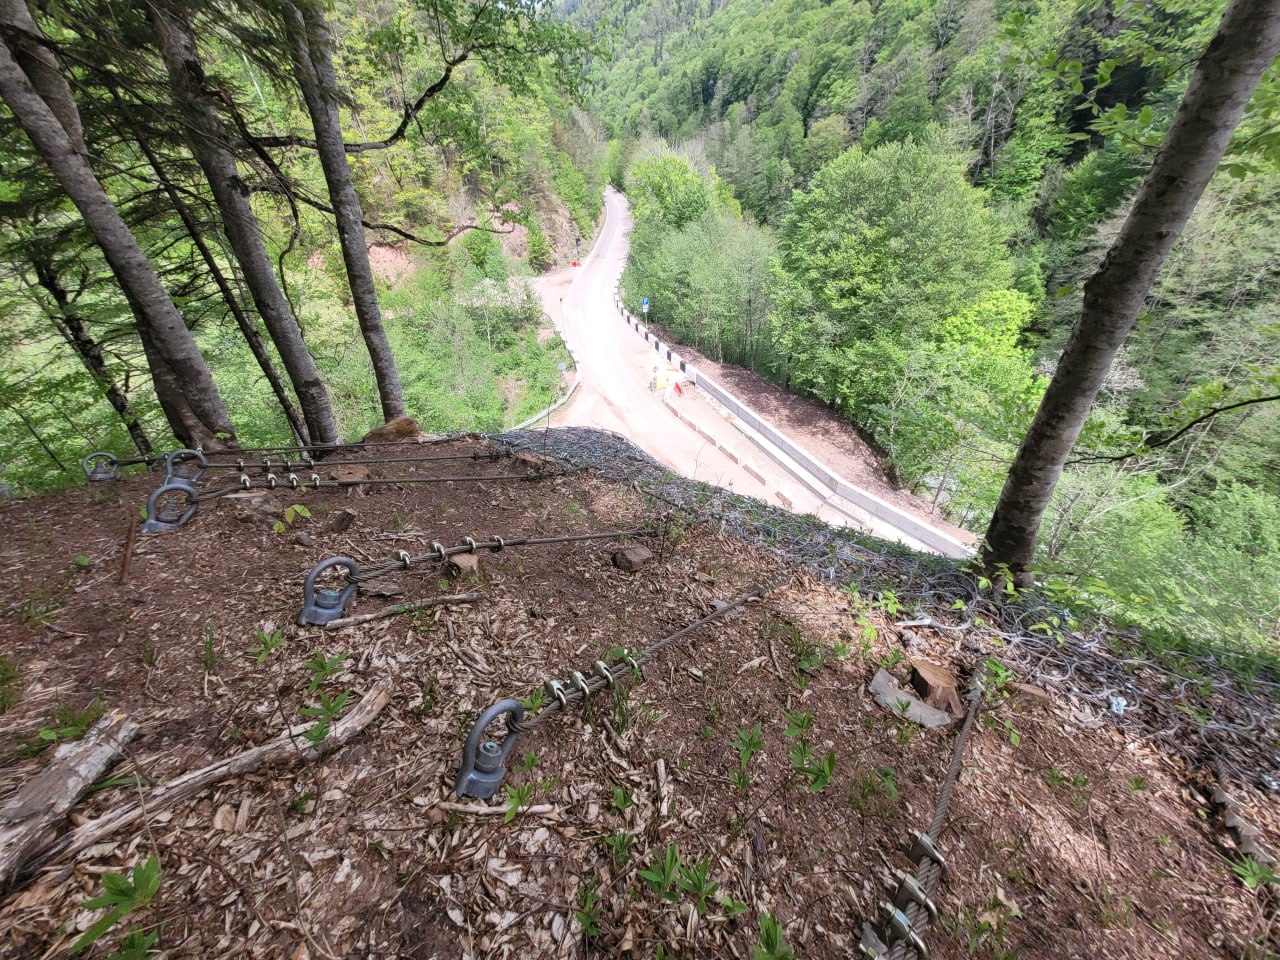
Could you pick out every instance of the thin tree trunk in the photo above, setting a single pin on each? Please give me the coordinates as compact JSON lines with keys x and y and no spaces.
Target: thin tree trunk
{"x":208,"y":139}
{"x":73,"y":330}
{"x":154,"y":310}
{"x":37,"y":61}
{"x":309,"y":44}
{"x":247,"y":327}
{"x":1247,"y":42}
{"x":31,"y":429}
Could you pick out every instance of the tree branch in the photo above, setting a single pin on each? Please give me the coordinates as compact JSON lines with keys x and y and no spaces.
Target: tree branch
{"x":1181,"y":431}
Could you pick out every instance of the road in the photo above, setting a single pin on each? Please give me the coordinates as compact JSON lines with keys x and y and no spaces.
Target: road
{"x":616,"y":367}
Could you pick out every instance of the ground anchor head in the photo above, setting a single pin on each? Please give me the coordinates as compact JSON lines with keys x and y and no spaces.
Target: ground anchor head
{"x":484,"y":761}
{"x":321,"y":605}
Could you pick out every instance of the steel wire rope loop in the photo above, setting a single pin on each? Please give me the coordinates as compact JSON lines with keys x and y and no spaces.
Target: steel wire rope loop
{"x":286,"y":463}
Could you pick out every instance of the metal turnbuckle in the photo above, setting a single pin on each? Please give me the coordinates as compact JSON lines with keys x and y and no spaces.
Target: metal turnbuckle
{"x":99,"y":466}
{"x":162,"y":514}
{"x":484,"y":761}
{"x":177,"y":465}
{"x":321,"y":605}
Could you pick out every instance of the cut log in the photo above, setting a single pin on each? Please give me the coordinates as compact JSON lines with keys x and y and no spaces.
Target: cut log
{"x":408,"y":607}
{"x":465,"y":566}
{"x":288,"y":747}
{"x":937,"y":686}
{"x":29,"y":817}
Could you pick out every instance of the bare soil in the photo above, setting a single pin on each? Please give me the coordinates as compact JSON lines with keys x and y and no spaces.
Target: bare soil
{"x":1063,"y":840}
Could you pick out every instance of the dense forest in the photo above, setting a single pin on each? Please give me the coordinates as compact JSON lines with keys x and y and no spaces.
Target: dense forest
{"x":275,"y":223}
{"x":894,"y":208}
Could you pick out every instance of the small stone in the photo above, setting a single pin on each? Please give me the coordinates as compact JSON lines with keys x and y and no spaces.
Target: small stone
{"x":632,"y":558}
{"x":304,"y":540}
{"x":937,"y":686}
{"x":465,"y":565}
{"x":342,"y":519}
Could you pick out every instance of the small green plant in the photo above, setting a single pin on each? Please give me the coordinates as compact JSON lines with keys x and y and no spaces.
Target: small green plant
{"x":620,"y":845}
{"x":268,"y":643}
{"x":1137,"y":784}
{"x":121,"y":896}
{"x":661,"y":875}
{"x":10,"y":687}
{"x":694,"y":879}
{"x":323,"y":668}
{"x":622,"y":800}
{"x":588,"y":912}
{"x":874,"y":791}
{"x":772,"y":945}
{"x":292,"y":514}
{"x":81,"y":561}
{"x":996,"y":680}
{"x":818,"y":772}
{"x":534,"y":701}
{"x":748,"y":743}
{"x":529,"y":762}
{"x":1254,"y":874}
{"x":1055,"y":778}
{"x":890,"y":603}
{"x":328,"y":711}
{"x":209,"y":656}
{"x":741,"y":780}
{"x":798,"y":723}
{"x":137,"y":945}
{"x":518,"y":797}
{"x":68,"y":724}
{"x":150,"y":653}
{"x":732,"y":908}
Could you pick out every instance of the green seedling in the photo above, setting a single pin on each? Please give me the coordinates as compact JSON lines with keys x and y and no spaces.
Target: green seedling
{"x":798,"y":723}
{"x":874,"y":791}
{"x":732,"y":908}
{"x":10,"y":687}
{"x":534,"y":701}
{"x":819,"y":772}
{"x":323,"y":668}
{"x":518,"y":797}
{"x":694,"y":879}
{"x":620,"y":845}
{"x":748,"y":743}
{"x":328,"y":711}
{"x":741,"y":780}
{"x":292,"y":514}
{"x":268,"y":643}
{"x":1254,"y":874}
{"x":772,"y":945}
{"x":121,"y":896}
{"x":209,"y":657}
{"x":661,"y":876}
{"x":529,"y":762}
{"x":622,"y":800}
{"x":588,"y":912}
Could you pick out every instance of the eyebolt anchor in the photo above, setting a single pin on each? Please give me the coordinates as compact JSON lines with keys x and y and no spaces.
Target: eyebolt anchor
{"x":321,"y":605}
{"x":483,"y":761}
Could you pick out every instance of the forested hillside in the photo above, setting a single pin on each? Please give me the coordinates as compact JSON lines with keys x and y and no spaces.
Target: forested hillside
{"x":894,"y":207}
{"x":341,"y":206}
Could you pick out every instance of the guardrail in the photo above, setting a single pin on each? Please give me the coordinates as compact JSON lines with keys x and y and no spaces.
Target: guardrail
{"x":831,"y":483}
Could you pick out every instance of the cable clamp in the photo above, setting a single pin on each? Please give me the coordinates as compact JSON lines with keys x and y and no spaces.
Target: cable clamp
{"x":271,"y":481}
{"x":315,"y":478}
{"x":898,"y":928}
{"x":556,"y":689}
{"x":630,"y":660}
{"x":437,"y":548}
{"x":405,"y":559}
{"x":469,"y":543}
{"x":909,"y":892}
{"x":579,"y":682}
{"x":245,"y":482}
{"x":99,"y":466}
{"x":293,"y":480}
{"x":498,"y":545}
{"x":240,"y":464}
{"x":922,"y":849}
{"x":604,"y":673}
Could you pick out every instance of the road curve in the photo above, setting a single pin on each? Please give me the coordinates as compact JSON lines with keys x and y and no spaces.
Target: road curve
{"x":616,"y":367}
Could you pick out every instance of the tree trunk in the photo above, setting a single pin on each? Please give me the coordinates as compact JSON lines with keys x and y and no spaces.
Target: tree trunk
{"x":73,"y":330}
{"x":248,"y":328}
{"x":38,"y":63}
{"x":309,"y":46}
{"x":1247,"y":41}
{"x":152,"y":307}
{"x":207,"y":136}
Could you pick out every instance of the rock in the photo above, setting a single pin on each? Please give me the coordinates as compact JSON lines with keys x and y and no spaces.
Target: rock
{"x":382,"y":588}
{"x":397,"y":428}
{"x":465,"y":565}
{"x":349,"y":473}
{"x":304,"y":540}
{"x":632,"y":558}
{"x":937,"y":686}
{"x":259,"y":506}
{"x":341,"y":520}
{"x":897,"y":701}
{"x":1033,"y":694}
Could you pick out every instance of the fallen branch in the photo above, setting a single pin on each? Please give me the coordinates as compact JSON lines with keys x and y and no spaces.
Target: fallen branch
{"x":285,"y":748}
{"x":537,"y":808}
{"x":29,"y":818}
{"x":409,"y":607}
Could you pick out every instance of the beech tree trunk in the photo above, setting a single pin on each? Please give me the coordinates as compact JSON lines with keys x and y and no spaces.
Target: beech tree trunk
{"x":1246,"y":44}
{"x":248,"y":328}
{"x":309,"y":46}
{"x":204,"y":419}
{"x":71,"y":326}
{"x":208,"y":137}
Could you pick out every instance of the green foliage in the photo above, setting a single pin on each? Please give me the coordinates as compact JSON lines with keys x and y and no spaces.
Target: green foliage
{"x":664,"y":189}
{"x":661,"y":875}
{"x":326,"y":713}
{"x":518,"y":797}
{"x":772,"y":945}
{"x":323,"y":668}
{"x":10,"y":684}
{"x":268,"y":643}
{"x":122,"y":896}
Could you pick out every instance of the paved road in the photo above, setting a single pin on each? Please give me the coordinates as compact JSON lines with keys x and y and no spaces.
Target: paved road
{"x":616,"y":367}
